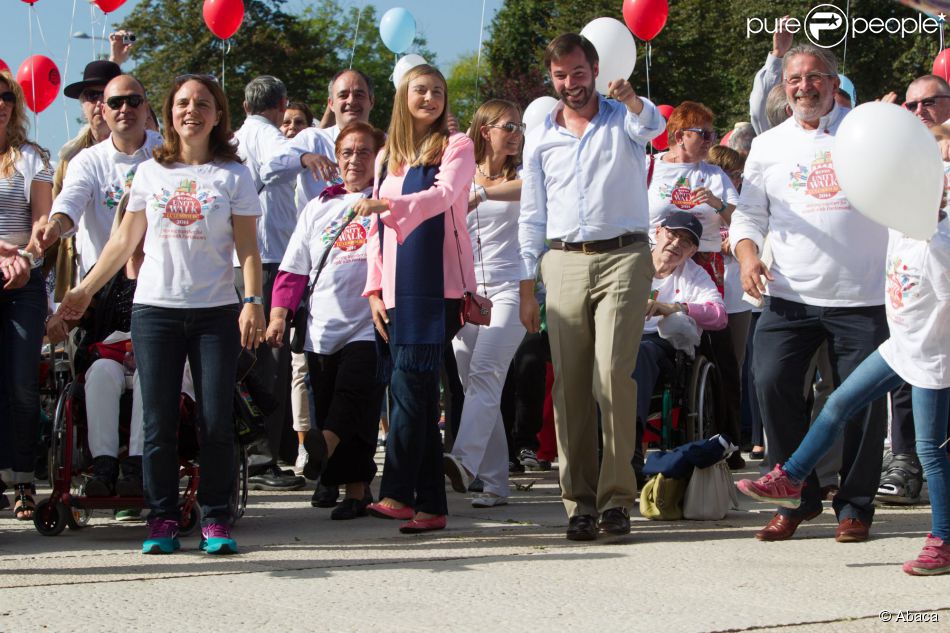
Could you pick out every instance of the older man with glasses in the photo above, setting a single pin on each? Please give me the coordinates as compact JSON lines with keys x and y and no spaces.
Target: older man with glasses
{"x":825,"y":285}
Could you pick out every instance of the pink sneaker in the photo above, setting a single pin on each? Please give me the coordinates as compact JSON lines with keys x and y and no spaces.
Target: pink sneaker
{"x":933,"y":559}
{"x":776,"y":487}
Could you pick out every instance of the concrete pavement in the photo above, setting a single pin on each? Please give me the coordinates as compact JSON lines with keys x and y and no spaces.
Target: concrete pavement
{"x":500,"y":569}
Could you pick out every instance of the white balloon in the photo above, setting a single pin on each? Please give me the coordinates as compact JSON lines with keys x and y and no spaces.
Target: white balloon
{"x":616,"y":49}
{"x":889,"y":166}
{"x":404,"y":64}
{"x":536,"y":111}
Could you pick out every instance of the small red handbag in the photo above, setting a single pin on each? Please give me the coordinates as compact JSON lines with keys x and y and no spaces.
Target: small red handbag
{"x":475,"y":309}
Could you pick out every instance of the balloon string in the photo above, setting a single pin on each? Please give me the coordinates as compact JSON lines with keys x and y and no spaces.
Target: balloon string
{"x":69,"y":46}
{"x":847,"y":27}
{"x":478,"y":59}
{"x":356,"y":33}
{"x":225,"y":47}
{"x":646,"y":59}
{"x":29,"y":21}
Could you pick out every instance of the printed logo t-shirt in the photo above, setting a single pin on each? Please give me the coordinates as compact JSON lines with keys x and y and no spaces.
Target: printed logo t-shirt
{"x":190,"y":239}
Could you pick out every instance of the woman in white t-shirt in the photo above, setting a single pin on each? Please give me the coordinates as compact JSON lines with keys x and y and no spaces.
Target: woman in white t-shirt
{"x":340,"y":341}
{"x":681,"y":180}
{"x":917,"y":301}
{"x":484,"y":353}
{"x":194,"y":203}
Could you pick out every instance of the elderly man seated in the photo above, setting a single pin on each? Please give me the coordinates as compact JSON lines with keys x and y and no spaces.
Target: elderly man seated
{"x":682,"y":291}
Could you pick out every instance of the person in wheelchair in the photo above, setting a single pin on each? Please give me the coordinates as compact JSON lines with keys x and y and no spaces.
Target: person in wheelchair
{"x":683,"y":302}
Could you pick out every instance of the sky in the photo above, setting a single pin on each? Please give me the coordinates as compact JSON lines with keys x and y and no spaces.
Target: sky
{"x":450,"y":26}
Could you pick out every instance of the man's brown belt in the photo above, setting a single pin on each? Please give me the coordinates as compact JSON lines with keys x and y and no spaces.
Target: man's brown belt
{"x":600,"y":246}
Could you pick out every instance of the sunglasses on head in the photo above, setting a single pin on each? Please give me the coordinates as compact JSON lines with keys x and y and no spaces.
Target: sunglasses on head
{"x":116,"y":102}
{"x":92,"y":96}
{"x":511,"y":127}
{"x":707,"y":135}
{"x":180,"y":79}
{"x":8,"y":96}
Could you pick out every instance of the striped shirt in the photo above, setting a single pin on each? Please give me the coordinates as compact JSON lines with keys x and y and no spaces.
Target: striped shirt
{"x":16,"y":216}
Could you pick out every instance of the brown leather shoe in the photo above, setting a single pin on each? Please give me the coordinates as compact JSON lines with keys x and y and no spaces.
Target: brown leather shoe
{"x":852,"y":531}
{"x":782,"y":528}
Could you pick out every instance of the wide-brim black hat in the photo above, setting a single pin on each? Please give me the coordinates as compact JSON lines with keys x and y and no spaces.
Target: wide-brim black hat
{"x":97,"y":73}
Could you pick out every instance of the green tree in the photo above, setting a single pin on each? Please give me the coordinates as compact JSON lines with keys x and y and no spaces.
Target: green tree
{"x":467,"y":85}
{"x":304,"y":51}
{"x":703,"y":52}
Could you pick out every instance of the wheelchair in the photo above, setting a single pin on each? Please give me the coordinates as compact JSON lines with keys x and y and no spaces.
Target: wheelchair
{"x":685,"y":405}
{"x":69,"y":462}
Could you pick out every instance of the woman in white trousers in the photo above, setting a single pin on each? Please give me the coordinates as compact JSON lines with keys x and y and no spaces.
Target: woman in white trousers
{"x":483,"y":353}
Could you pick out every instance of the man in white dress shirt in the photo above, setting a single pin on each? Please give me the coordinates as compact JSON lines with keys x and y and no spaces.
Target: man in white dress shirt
{"x":310,"y":156}
{"x":585,"y":190}
{"x":265,"y":99}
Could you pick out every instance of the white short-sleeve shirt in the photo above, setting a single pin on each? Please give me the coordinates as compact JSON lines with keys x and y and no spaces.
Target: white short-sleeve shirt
{"x":189,"y":243}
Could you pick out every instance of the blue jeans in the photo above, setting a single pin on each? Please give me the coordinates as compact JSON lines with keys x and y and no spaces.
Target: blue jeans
{"x":413,"y":472}
{"x":872,"y":380}
{"x":22,"y":312}
{"x":209,"y":338}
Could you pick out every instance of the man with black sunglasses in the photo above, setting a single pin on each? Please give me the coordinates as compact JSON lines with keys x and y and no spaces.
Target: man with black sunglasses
{"x":928,"y":97}
{"x":101,"y":174}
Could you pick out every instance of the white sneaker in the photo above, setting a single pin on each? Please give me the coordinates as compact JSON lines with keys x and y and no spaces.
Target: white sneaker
{"x":488,"y":500}
{"x":301,"y":457}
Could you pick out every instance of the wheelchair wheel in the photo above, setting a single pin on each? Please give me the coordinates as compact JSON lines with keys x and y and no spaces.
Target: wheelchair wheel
{"x":57,"y":444}
{"x":189,"y":521}
{"x":239,"y":499}
{"x":50,"y":517}
{"x":702,"y":400}
{"x":77,"y":518}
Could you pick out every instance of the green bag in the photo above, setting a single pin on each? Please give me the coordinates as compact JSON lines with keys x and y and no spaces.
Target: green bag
{"x":662,"y":498}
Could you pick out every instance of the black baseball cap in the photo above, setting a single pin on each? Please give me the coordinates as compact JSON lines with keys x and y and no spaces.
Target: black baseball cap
{"x":686,"y":222}
{"x":97,"y":73}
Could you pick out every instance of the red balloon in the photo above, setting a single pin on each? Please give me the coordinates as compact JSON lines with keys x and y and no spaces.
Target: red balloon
{"x":39,"y":78}
{"x":223,"y":17}
{"x":646,"y":18}
{"x":941,"y":66}
{"x":3,"y":66}
{"x":109,"y":5}
{"x":30,"y":2}
{"x":661,"y":143}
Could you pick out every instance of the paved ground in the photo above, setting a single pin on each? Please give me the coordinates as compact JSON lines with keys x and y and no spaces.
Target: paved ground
{"x":501,"y":569}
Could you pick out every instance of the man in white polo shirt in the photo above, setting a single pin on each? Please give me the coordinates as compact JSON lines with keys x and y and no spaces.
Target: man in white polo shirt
{"x":824,"y":285}
{"x":585,"y":190}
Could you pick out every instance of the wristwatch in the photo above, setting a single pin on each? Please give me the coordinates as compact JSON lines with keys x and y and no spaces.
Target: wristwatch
{"x":722,"y":208}
{"x":256,"y":300}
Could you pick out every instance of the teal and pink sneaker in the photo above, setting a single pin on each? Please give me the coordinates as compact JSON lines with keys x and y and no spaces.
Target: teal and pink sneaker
{"x":776,"y":487}
{"x":162,"y":537}
{"x":216,"y":539}
{"x":934,"y":559}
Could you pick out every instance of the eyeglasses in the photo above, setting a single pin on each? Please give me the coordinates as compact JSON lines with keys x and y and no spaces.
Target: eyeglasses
{"x":91,"y":96}
{"x":929,"y":102}
{"x":511,"y":127}
{"x":812,"y":78}
{"x":8,"y":96}
{"x":680,"y":235}
{"x":362,"y":154}
{"x":708,"y":135}
{"x":133,"y":101}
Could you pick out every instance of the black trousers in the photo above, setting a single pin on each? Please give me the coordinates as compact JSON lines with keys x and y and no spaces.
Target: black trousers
{"x":272,"y":369}
{"x":522,"y":399}
{"x":786,"y":338}
{"x":347,"y":399}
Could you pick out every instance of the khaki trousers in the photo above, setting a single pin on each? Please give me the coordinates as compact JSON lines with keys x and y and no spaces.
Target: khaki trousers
{"x":595,"y":307}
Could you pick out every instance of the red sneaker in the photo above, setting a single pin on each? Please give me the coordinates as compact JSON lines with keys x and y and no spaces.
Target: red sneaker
{"x":776,"y":487}
{"x":934,"y":559}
